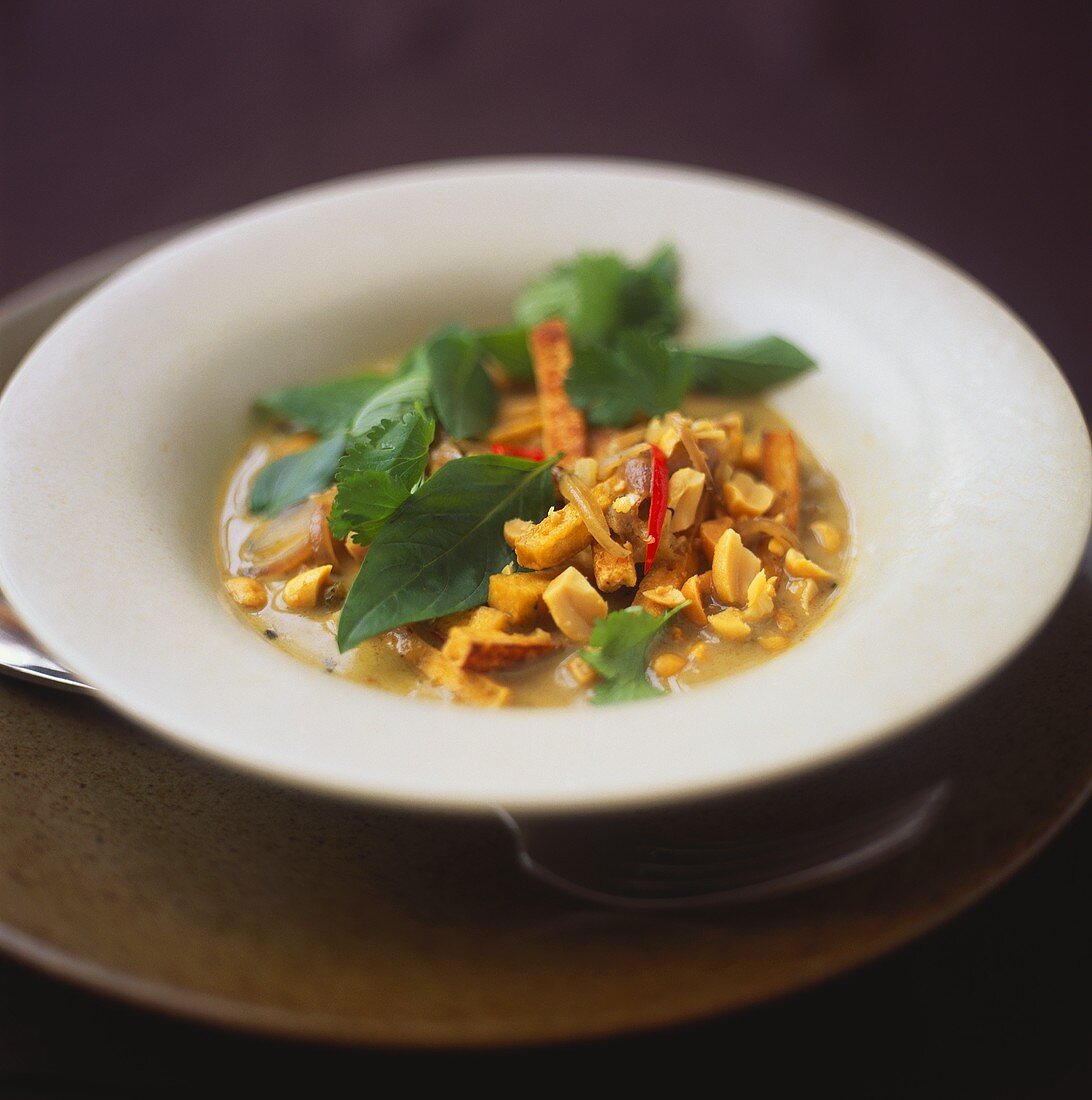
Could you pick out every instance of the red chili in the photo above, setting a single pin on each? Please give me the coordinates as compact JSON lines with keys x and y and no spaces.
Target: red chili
{"x":657,"y":504}
{"x":533,"y":453}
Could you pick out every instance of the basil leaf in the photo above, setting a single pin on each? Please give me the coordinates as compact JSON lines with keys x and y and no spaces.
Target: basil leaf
{"x":599,"y":295}
{"x":378,"y":472}
{"x":295,"y":477}
{"x":638,"y":375}
{"x":508,"y":347}
{"x":398,"y":397}
{"x":327,"y":407}
{"x":618,"y":651}
{"x":435,"y":555}
{"x":464,"y":395}
{"x":745,"y":366}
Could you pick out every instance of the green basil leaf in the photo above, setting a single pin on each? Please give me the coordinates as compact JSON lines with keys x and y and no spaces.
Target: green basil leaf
{"x":745,"y":366}
{"x":327,"y":407}
{"x":435,"y":555}
{"x":398,"y":397}
{"x":618,"y":651}
{"x":638,"y":375}
{"x":378,"y":472}
{"x":600,"y":295}
{"x":464,"y":395}
{"x":508,"y":347}
{"x":295,"y":477}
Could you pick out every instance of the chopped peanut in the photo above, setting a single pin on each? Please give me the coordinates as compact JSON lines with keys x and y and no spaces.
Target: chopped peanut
{"x":774,"y":643}
{"x":683,"y":497}
{"x":667,"y":665}
{"x":785,"y":621}
{"x":303,"y":592}
{"x":574,"y":605}
{"x":805,"y":591}
{"x":663,"y":598}
{"x":709,"y":534}
{"x":246,"y":592}
{"x":587,"y":469}
{"x":730,"y":626}
{"x":743,"y":496}
{"x":777,"y":547}
{"x":698,"y":651}
{"x":582,"y":673}
{"x":697,"y":590}
{"x":827,"y":535}
{"x":760,"y":598}
{"x":799,"y":566}
{"x":734,"y":567}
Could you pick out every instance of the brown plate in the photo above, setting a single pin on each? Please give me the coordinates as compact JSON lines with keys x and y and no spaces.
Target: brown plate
{"x":134,"y":869}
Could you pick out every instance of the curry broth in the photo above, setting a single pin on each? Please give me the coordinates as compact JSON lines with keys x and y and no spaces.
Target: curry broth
{"x":311,"y":636}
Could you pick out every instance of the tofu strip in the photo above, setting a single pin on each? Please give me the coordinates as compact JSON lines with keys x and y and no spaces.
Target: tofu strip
{"x":467,"y":687}
{"x":563,"y":425}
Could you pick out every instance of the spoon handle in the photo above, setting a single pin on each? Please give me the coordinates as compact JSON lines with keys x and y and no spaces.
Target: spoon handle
{"x":22,"y":656}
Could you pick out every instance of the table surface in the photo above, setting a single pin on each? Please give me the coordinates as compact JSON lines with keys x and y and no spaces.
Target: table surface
{"x":958,"y":124}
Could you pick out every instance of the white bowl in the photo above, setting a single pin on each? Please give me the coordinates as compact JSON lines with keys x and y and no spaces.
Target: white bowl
{"x":959,"y":446}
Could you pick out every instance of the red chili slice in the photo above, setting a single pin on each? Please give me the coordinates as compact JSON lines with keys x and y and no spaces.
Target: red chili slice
{"x":657,"y":504}
{"x":533,"y":453}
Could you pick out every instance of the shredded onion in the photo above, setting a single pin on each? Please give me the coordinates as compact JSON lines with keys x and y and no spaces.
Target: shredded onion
{"x":578,"y":495}
{"x":760,"y":525}
{"x":612,"y":462}
{"x":693,"y":448}
{"x":279,"y":544}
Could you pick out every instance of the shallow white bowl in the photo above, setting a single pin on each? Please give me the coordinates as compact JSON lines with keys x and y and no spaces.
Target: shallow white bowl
{"x":960,"y":448}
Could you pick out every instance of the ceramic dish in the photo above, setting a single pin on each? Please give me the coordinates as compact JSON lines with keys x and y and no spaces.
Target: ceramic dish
{"x":960,"y":449}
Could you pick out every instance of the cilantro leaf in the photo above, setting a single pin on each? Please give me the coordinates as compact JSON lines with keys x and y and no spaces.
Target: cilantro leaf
{"x":436,"y":553}
{"x":599,"y":295}
{"x":745,"y":366}
{"x":295,"y":477}
{"x":327,"y":407}
{"x":618,"y":651}
{"x":378,"y":472}
{"x":464,"y":395}
{"x":637,"y":375}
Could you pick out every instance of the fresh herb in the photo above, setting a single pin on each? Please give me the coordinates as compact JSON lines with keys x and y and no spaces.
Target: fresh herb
{"x":508,"y":348}
{"x":399,"y":396}
{"x":436,"y":553}
{"x":599,"y":295}
{"x":327,"y":407}
{"x":295,"y":477}
{"x":378,"y":472}
{"x":637,"y":375}
{"x":618,"y":651}
{"x":744,"y":367}
{"x":464,"y":395}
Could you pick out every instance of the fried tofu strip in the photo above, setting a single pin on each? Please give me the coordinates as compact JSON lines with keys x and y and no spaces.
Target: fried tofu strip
{"x":467,"y":687}
{"x":558,"y":537}
{"x":519,"y":595}
{"x":563,"y":425}
{"x":486,"y":650}
{"x":477,"y":618}
{"x":611,"y":571}
{"x":781,"y":471}
{"x":669,"y":571}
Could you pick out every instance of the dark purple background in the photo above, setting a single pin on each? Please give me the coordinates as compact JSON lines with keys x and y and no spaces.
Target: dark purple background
{"x":964,"y":125}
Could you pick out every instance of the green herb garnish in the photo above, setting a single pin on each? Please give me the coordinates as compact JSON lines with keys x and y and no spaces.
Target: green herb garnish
{"x":399,"y":396}
{"x":637,"y":375}
{"x":378,"y":472}
{"x":293,"y":478}
{"x":744,"y":367}
{"x":464,"y":395}
{"x":435,"y":554}
{"x":327,"y":407}
{"x":618,"y":651}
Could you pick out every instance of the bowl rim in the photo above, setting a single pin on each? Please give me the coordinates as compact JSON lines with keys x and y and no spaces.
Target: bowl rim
{"x":601,"y":799}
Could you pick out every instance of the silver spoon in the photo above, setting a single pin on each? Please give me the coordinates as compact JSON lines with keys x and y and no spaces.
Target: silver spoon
{"x":22,"y":656}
